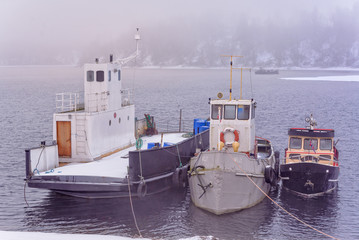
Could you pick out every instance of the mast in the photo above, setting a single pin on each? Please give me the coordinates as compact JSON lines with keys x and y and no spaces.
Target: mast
{"x":230,"y":84}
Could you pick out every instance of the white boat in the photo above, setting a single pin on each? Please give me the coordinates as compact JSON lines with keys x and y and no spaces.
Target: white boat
{"x":100,"y":150}
{"x":227,"y":177}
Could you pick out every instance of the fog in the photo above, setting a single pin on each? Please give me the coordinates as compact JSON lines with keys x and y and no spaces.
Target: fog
{"x":281,"y":33}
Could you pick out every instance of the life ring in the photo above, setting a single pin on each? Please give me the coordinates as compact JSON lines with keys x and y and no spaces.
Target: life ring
{"x":235,"y":132}
{"x":142,"y":189}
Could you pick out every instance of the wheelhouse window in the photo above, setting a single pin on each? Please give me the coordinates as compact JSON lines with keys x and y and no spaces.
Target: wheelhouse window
{"x":230,"y":112}
{"x":215,"y":111}
{"x":100,"y":76}
{"x":90,"y":76}
{"x":325,"y":144}
{"x":310,"y":144}
{"x":109,"y":76}
{"x":295,"y":143}
{"x":243,"y":112}
{"x":119,"y":75}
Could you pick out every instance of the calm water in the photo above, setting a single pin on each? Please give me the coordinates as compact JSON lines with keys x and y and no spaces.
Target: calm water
{"x":27,"y":102}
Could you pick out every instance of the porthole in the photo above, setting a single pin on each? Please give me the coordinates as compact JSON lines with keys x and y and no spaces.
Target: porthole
{"x":119,"y":120}
{"x":109,"y":123}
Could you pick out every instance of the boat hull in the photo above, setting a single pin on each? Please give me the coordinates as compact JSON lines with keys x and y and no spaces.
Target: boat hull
{"x":309,"y":179}
{"x":222,"y":182}
{"x":149,"y":171}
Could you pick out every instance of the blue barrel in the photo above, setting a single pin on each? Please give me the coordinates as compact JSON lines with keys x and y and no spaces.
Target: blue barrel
{"x":208,"y":123}
{"x":152,"y":145}
{"x":203,"y":128}
{"x":195,"y":124}
{"x":199,"y":124}
{"x":166,"y":144}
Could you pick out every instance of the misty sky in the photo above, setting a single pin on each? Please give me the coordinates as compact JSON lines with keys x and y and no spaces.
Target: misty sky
{"x":31,"y":27}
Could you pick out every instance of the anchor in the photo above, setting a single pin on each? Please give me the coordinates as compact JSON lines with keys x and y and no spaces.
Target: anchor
{"x":204,"y":188}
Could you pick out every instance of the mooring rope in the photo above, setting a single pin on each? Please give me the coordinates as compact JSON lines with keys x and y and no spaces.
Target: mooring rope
{"x":25,"y":193}
{"x":133,"y":211}
{"x":290,"y":214}
{"x":139,"y":154}
{"x":179,"y":156}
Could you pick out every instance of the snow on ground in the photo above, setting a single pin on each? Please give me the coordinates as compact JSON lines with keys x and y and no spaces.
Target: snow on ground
{"x":7,"y":235}
{"x":347,"y":78}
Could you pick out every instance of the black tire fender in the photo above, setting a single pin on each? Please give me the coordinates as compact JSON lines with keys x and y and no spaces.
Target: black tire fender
{"x":268,"y":174}
{"x":179,"y":177}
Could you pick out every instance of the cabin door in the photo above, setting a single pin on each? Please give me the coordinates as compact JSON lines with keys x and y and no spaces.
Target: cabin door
{"x":63,"y":130}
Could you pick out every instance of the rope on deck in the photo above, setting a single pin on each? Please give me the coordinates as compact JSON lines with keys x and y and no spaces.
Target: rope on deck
{"x":290,"y":214}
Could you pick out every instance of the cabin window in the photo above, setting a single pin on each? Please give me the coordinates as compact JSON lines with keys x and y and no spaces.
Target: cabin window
{"x":90,"y":76}
{"x":325,"y":157}
{"x":230,"y":112}
{"x":310,"y":144}
{"x":119,"y":75}
{"x":294,"y":156}
{"x":243,"y":112}
{"x":325,"y":144}
{"x":109,"y":76}
{"x":100,"y":76}
{"x":295,"y":143}
{"x":215,"y":111}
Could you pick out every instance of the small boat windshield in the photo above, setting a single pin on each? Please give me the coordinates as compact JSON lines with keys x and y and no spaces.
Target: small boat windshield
{"x":230,"y":111}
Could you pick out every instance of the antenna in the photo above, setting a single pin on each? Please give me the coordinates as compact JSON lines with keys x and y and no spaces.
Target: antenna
{"x":311,"y":121}
{"x":230,"y":87}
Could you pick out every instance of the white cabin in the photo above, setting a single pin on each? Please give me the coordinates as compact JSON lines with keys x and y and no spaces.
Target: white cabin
{"x":236,"y":116}
{"x":102,"y":124}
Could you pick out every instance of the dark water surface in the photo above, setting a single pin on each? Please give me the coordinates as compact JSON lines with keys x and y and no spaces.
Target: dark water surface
{"x":27,"y":101}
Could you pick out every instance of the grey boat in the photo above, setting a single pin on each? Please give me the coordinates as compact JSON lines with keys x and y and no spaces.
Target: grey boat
{"x":239,"y":168}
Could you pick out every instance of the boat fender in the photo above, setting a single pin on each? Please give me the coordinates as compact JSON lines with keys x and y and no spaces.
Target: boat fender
{"x":235,"y":132}
{"x":268,"y":174}
{"x":179,"y":177}
{"x":277,"y":162}
{"x":142,"y":189}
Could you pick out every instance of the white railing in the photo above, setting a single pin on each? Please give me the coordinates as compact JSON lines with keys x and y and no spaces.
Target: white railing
{"x":126,"y":97}
{"x":68,"y":102}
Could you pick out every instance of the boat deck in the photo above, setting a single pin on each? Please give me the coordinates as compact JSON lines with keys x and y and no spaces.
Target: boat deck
{"x":114,"y":165}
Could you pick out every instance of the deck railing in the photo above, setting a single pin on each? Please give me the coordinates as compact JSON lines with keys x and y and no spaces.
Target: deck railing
{"x":68,"y":102}
{"x":126,"y":97}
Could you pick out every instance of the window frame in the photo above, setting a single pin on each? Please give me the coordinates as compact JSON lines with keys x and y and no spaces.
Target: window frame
{"x":90,"y":76}
{"x":100,"y":76}
{"x":290,"y":143}
{"x":225,"y":112}
{"x":331,"y":144}
{"x":248,"y":115}
{"x":310,"y":139}
{"x":216,"y":110}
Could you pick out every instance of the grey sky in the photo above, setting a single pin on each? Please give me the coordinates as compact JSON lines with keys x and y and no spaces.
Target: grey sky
{"x":40,"y":25}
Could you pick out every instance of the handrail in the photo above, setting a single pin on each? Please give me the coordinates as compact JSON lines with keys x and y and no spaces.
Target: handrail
{"x":68,"y":102}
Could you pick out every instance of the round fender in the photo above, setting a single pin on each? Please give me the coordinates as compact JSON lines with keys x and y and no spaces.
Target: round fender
{"x":179,"y":177}
{"x":142,"y":189}
{"x":268,"y":174}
